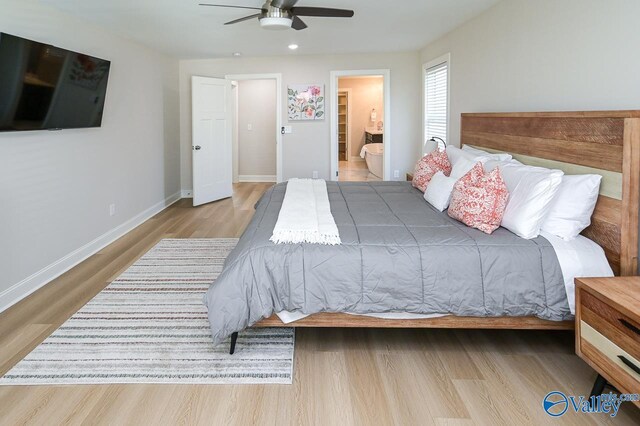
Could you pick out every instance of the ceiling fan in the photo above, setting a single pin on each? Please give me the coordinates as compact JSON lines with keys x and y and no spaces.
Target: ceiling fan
{"x":284,"y":14}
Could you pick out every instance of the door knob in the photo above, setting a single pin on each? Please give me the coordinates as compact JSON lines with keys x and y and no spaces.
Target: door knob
{"x":197,"y":147}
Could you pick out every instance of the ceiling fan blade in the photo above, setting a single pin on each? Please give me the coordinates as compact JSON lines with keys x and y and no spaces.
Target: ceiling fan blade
{"x":246,"y":18}
{"x":227,"y":5}
{"x":321,"y":12}
{"x":298,"y":24}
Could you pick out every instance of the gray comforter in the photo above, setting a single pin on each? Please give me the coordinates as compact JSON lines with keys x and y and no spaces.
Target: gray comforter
{"x":398,"y":254}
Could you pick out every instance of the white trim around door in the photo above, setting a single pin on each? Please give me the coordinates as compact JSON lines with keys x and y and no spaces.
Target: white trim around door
{"x":333,"y":100}
{"x":278,"y":78}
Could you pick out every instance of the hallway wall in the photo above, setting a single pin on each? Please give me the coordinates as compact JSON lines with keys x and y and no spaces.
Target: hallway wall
{"x":256,"y":128}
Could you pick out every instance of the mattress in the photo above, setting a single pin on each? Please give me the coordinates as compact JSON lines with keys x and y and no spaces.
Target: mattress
{"x":580,"y":257}
{"x":398,"y":254}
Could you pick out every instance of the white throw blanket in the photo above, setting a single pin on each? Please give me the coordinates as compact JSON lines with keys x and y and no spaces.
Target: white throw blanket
{"x":305,"y":215}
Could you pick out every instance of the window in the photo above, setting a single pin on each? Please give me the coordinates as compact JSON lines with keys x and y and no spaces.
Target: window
{"x":436,"y":100}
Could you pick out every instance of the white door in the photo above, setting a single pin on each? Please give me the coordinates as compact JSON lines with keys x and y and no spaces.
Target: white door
{"x":211,"y":143}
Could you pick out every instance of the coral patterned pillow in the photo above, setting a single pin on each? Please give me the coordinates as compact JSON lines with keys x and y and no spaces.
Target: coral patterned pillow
{"x":428,"y":166}
{"x":479,"y":199}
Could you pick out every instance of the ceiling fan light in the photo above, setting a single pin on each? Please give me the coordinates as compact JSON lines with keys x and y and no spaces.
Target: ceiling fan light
{"x":270,"y":23}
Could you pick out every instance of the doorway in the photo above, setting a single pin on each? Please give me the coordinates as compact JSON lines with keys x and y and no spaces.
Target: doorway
{"x":360,"y":123}
{"x":257,"y":140}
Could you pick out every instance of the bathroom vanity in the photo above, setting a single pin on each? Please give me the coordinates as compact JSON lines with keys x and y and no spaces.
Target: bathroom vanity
{"x":373,"y":135}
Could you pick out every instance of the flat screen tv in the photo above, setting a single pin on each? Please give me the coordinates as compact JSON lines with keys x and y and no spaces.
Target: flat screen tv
{"x":44,"y":87}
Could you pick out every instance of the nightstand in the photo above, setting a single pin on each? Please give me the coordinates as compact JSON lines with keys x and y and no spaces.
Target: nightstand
{"x":409,"y":177}
{"x":608,"y":330}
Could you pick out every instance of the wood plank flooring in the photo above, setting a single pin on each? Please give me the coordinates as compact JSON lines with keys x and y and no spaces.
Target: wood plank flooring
{"x":355,"y":171}
{"x":342,"y":376}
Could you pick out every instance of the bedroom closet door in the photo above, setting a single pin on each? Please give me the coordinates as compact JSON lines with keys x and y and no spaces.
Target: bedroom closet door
{"x":212,"y":139}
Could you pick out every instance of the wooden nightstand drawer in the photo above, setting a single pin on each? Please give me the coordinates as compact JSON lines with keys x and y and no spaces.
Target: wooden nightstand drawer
{"x":608,"y":330}
{"x":610,"y":357}
{"x":611,"y":323}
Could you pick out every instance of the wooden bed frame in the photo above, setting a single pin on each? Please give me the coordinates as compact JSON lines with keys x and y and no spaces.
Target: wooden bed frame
{"x":603,"y":142}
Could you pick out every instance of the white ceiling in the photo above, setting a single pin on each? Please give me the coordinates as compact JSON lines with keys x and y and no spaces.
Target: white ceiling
{"x":183,"y":29}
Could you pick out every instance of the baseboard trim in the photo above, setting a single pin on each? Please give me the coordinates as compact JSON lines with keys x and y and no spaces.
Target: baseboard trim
{"x":186,"y":193}
{"x":24,"y":288}
{"x":256,"y":178}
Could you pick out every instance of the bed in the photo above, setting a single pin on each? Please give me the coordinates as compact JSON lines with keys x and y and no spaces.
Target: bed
{"x":399,"y":240}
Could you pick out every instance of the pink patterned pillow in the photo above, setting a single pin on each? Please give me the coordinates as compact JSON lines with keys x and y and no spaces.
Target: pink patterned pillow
{"x":428,"y":166}
{"x":479,"y":199}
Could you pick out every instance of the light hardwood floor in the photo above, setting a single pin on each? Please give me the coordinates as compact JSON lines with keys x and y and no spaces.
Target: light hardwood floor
{"x":355,"y":171}
{"x":342,"y":376}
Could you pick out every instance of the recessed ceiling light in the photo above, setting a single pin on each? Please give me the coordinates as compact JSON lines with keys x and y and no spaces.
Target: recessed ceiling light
{"x":236,"y":54}
{"x":293,"y":46}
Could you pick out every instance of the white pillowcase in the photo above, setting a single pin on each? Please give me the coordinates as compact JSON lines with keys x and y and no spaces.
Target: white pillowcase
{"x":489,"y":165}
{"x":571,"y":209}
{"x":503,"y":156}
{"x":531,"y":190}
{"x":462,"y":167}
{"x":455,"y":154}
{"x":439,"y":190}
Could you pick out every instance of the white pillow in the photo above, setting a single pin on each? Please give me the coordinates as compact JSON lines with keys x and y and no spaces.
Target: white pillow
{"x":531,"y":190}
{"x":489,"y":165}
{"x":461,"y":168}
{"x":455,"y":154}
{"x":438,"y":192}
{"x":502,"y":156}
{"x":571,"y":209}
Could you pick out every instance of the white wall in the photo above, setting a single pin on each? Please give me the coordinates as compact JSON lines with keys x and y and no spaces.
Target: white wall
{"x":257,"y":147}
{"x":56,"y":187}
{"x":544,"y":55}
{"x":308,"y":148}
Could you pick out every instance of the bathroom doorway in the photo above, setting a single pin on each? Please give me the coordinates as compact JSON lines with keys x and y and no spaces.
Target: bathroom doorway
{"x":360,"y":125}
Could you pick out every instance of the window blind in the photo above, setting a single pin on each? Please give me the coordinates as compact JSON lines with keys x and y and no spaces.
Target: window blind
{"x":435,"y":90}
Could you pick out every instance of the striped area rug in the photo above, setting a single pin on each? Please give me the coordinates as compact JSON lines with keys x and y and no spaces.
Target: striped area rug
{"x":150,"y":326}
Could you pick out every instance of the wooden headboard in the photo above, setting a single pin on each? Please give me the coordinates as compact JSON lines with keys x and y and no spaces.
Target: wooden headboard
{"x":602,"y":142}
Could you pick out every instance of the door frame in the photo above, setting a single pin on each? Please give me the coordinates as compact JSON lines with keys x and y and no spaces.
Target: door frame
{"x":234,"y":131}
{"x":333,"y":100}
{"x":278,"y":78}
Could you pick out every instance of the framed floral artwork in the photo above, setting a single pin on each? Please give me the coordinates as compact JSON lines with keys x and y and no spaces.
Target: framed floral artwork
{"x":306,"y":102}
